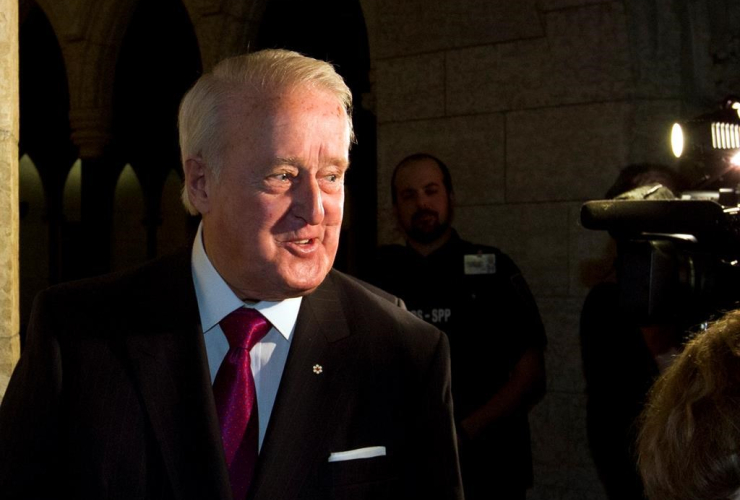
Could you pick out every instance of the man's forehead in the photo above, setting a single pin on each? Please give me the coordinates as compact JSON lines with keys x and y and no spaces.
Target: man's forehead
{"x":250,"y":99}
{"x":264,"y":111}
{"x":419,"y":173}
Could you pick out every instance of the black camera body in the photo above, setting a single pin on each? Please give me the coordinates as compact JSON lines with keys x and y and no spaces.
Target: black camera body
{"x":677,"y":259}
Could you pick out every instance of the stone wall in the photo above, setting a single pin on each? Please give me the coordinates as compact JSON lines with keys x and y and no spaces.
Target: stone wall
{"x":535,"y":106}
{"x":9,"y":298}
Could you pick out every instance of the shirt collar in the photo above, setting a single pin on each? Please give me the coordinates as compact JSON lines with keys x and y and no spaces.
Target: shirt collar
{"x":216,"y":300}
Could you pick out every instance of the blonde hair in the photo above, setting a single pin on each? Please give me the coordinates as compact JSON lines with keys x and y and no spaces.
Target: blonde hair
{"x":259,"y":74}
{"x":690,"y":428}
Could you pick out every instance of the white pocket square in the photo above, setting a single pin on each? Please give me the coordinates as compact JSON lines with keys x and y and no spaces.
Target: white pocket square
{"x":370,"y":452}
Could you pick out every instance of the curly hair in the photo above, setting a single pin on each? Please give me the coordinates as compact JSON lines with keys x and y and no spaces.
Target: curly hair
{"x":690,"y":428}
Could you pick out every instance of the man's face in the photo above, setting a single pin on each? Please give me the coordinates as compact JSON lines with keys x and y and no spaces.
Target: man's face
{"x":423,"y":205}
{"x":271,"y":221}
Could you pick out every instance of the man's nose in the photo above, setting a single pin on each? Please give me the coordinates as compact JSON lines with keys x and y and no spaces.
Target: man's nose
{"x":307,"y":202}
{"x":422,"y":201}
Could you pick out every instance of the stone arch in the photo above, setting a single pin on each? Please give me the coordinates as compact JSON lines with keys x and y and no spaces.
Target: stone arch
{"x":224,"y":27}
{"x":92,"y":35}
{"x":70,"y":217}
{"x":34,"y":236}
{"x":89,"y":34}
{"x":145,"y":109}
{"x":129,"y":234}
{"x":174,"y":231}
{"x":73,"y":194}
{"x":370,"y":13}
{"x":62,"y":15}
{"x":44,"y":102}
{"x":44,"y":123}
{"x":92,"y":47}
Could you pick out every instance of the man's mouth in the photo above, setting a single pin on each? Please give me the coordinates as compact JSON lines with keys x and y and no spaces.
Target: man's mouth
{"x":303,"y":246}
{"x":425,"y":217}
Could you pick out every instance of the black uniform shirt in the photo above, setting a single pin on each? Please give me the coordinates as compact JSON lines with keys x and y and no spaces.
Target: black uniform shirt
{"x":476,"y":295}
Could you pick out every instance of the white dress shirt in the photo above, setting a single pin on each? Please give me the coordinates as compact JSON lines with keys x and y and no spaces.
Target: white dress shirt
{"x":216,"y":301}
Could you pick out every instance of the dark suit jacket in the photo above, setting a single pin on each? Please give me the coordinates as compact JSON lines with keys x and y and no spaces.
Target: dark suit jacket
{"x":112,"y":398}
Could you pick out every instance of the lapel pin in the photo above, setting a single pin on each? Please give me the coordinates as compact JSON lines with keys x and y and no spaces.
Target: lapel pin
{"x":317,"y":369}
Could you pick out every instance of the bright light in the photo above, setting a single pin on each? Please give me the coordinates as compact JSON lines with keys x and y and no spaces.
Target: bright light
{"x":735,"y":160}
{"x":736,"y":107}
{"x":677,"y":140}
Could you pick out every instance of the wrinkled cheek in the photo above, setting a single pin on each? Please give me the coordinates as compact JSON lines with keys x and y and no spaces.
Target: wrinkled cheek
{"x":332,"y":232}
{"x":331,"y":243}
{"x":334,"y":211}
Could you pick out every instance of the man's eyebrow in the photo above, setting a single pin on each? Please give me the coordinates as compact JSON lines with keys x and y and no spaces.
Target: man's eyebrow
{"x":294,"y":161}
{"x":288,"y":160}
{"x":340,"y":162}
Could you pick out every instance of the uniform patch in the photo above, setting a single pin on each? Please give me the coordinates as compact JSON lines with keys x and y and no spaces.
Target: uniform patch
{"x":480,"y":263}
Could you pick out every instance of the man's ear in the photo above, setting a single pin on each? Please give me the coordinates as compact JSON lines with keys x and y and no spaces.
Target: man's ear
{"x":198,"y":182}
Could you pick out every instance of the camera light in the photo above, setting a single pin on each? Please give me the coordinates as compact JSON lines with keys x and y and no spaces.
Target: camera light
{"x":735,"y":160}
{"x":713,"y":134}
{"x":677,"y":140}
{"x":725,"y":135}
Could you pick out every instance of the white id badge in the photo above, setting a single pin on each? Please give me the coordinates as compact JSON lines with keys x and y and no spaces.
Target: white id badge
{"x":482,"y":263}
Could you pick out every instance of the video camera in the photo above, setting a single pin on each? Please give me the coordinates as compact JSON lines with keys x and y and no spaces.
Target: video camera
{"x":678,"y":254}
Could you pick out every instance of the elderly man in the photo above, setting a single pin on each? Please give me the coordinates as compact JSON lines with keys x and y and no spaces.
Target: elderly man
{"x":477,"y":296}
{"x":246,"y":368}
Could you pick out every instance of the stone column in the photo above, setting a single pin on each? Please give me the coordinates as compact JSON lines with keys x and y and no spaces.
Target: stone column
{"x":9,"y":294}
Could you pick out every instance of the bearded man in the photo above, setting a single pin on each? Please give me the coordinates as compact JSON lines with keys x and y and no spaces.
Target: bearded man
{"x":478,"y":297}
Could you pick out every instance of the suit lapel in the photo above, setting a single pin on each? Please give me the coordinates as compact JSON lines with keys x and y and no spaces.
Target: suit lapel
{"x":304,"y":407}
{"x":168,"y":359}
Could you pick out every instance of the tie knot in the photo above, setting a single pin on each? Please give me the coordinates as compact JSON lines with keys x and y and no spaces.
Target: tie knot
{"x":244,"y":327}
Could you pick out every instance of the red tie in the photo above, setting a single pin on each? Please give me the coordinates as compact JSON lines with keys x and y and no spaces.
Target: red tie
{"x":236,"y":397}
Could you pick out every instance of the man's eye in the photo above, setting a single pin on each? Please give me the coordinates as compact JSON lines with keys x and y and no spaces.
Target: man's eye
{"x":282,"y":177}
{"x":332,"y":178}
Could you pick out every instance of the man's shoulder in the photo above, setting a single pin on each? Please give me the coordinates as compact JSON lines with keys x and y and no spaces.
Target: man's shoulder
{"x":364,"y":286}
{"x":369,"y":304}
{"x":383,"y":326}
{"x":137,"y":289}
{"x":355,"y":290}
{"x":177,"y":263}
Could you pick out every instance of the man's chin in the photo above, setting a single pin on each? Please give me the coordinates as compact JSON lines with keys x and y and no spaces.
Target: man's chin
{"x":300,"y":288}
{"x":301,"y":281}
{"x":426,"y":235}
{"x":279,"y":284}
{"x":287,"y":290}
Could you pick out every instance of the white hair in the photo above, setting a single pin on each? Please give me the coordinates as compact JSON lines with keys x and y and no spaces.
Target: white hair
{"x":262,"y":73}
